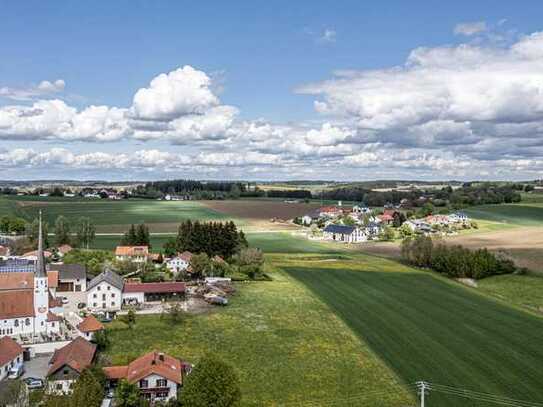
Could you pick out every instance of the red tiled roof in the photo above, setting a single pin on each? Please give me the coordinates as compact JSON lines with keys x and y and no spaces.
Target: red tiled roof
{"x":34,"y":253}
{"x":51,"y":317}
{"x":163,"y":287}
{"x":65,"y":248}
{"x":9,"y":350}
{"x":90,"y":324}
{"x":151,"y":363}
{"x":385,"y":217}
{"x":54,"y":302}
{"x":329,"y":209}
{"x":131,"y":251}
{"x":17,"y":281}
{"x":185,"y":256}
{"x":52,"y":278}
{"x":78,"y":354}
{"x":16,"y":303}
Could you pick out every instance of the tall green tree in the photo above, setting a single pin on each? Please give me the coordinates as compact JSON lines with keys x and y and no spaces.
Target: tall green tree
{"x":212,"y":382}
{"x":88,"y":391}
{"x":62,"y":230}
{"x":127,"y":395}
{"x":142,"y":235}
{"x":86,"y":232}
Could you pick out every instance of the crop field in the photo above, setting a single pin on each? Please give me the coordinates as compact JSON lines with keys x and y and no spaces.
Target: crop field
{"x":260,"y":209}
{"x":287,"y":346}
{"x":427,"y":328}
{"x":530,"y":214}
{"x":114,"y":216}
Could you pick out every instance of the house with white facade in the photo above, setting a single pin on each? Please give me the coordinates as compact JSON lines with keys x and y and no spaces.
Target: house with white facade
{"x":88,"y":327}
{"x":11,"y":355}
{"x":104,"y":292}
{"x":137,"y":254}
{"x":345,"y":234}
{"x":157,"y":375}
{"x":67,"y":364}
{"x":179,"y":263}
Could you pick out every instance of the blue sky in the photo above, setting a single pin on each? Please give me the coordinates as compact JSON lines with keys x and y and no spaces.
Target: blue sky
{"x":259,"y":57}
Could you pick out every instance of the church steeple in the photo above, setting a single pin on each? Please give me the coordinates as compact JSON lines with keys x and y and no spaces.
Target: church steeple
{"x":40,"y":270}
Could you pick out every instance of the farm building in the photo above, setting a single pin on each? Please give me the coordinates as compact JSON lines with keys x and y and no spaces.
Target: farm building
{"x":342,"y":233}
{"x":89,"y":326}
{"x":67,"y":363}
{"x":11,"y":354}
{"x":104,"y":292}
{"x":71,"y":277}
{"x":145,"y":292}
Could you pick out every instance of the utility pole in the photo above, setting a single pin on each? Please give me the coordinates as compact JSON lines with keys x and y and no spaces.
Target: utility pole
{"x":423,"y":388}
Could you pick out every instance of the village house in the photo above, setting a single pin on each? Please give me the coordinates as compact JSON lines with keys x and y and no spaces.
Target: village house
{"x":157,"y":375}
{"x":67,"y":364}
{"x":311,"y":217}
{"x":346,"y":234}
{"x":137,"y":254}
{"x":360,"y":210}
{"x":139,"y":293}
{"x":386,"y":218}
{"x":11,"y":355}
{"x":330,"y":212}
{"x":88,"y":327}
{"x":64,"y":249}
{"x":179,"y":263}
{"x":104,"y":292}
{"x":459,"y":217}
{"x":71,"y":277}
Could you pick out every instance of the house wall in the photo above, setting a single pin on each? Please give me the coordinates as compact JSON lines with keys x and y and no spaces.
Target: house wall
{"x":135,"y":259}
{"x":176,"y":264}
{"x":18,"y":326}
{"x":62,"y":380}
{"x":104,"y":297}
{"x":171,"y":387}
{"x":4,"y":369}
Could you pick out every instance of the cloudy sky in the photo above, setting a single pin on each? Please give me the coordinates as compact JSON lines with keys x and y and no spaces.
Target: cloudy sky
{"x":138,"y":90}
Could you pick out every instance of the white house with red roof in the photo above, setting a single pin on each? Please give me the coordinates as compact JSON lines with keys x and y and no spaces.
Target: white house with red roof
{"x":157,"y":375}
{"x":180,"y":262}
{"x":137,"y":254}
{"x":11,"y":354}
{"x":88,"y":327}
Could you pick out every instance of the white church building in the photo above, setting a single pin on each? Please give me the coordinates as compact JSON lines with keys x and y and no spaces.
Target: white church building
{"x":25,"y":300}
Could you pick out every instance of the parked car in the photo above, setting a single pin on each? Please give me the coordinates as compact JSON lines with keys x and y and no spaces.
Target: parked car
{"x":16,"y":371}
{"x":64,"y":300}
{"x":81,"y":305}
{"x":33,"y":383}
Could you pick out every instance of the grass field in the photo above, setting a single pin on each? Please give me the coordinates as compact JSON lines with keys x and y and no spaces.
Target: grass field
{"x":428,"y":328}
{"x":525,"y":291}
{"x":287,"y":346}
{"x":514,"y":214}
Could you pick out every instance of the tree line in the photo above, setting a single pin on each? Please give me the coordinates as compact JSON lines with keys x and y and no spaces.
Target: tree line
{"x":137,"y":236}
{"x":212,"y":238}
{"x":454,"y":261}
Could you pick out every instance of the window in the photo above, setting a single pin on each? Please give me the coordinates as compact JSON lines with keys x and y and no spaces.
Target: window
{"x":94,"y":295}
{"x":65,"y":371}
{"x":144,"y":384}
{"x":98,"y":288}
{"x":112,"y":295}
{"x":161,"y":383}
{"x":16,"y":323}
{"x":94,"y":304}
{"x":103,"y":297}
{"x":58,"y":386}
{"x":108,"y":287}
{"x":162,"y":395}
{"x":27,"y":321}
{"x":112,"y":303}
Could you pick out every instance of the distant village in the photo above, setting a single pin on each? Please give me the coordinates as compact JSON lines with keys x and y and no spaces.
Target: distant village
{"x":359,"y":223}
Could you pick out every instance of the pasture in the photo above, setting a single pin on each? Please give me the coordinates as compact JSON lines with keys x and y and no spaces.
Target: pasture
{"x":428,"y":328}
{"x":287,"y":346}
{"x":529,"y":214}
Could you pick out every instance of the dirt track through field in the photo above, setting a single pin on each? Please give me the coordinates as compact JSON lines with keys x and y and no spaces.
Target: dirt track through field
{"x":525,"y":245}
{"x":258,"y":209}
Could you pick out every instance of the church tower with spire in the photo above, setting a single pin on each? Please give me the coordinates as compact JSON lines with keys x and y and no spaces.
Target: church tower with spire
{"x":41,"y":289}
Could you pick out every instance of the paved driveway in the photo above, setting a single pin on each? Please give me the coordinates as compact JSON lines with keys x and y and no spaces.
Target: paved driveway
{"x":74,"y":298}
{"x":37,"y":367}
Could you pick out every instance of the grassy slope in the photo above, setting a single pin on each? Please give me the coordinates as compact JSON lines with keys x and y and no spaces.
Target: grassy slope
{"x":525,"y":291}
{"x":287,"y":347}
{"x":428,"y":328}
